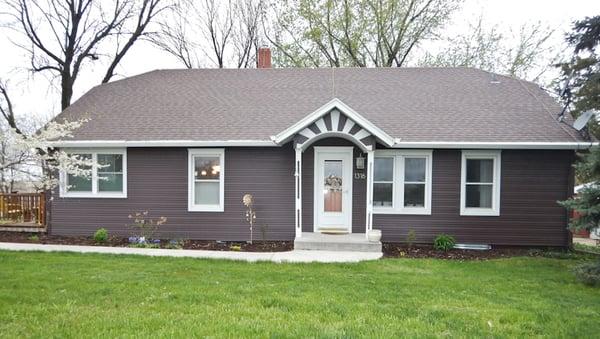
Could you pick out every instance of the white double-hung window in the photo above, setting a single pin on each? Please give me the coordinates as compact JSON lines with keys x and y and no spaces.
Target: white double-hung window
{"x":402,"y":182}
{"x":480,"y":183}
{"x":206,"y":180}
{"x":108,"y":177}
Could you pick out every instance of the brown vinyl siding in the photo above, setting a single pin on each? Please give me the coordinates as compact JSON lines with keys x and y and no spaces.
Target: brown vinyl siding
{"x":531,"y":183}
{"x":158,"y":182}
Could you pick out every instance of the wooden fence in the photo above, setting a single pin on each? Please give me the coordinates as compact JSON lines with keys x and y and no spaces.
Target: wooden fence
{"x":23,"y":208}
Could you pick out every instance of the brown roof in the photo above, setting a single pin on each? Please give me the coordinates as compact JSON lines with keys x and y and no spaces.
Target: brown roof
{"x":414,"y":104}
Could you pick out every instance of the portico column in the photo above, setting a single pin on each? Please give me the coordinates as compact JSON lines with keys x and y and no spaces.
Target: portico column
{"x":369,"y":221}
{"x":298,"y":180}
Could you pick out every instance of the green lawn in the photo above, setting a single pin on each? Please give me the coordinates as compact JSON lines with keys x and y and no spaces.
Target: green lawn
{"x":74,"y":295}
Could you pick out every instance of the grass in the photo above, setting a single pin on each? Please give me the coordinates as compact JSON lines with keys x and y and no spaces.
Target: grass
{"x":90,"y":295}
{"x":587,"y":248}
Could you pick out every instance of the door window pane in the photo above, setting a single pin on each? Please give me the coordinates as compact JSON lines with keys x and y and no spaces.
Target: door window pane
{"x":207,"y":193}
{"x":384,"y":169}
{"x":80,"y":184}
{"x":207,"y":168}
{"x":480,"y":170}
{"x":332,"y":171}
{"x":479,"y":196}
{"x":414,"y":195}
{"x":382,"y":194}
{"x":414,"y":169}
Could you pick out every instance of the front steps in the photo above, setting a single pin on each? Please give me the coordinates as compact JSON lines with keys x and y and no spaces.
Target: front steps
{"x":354,"y":242}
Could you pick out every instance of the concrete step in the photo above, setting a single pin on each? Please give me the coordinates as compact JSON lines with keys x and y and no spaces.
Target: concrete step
{"x":355,"y":242}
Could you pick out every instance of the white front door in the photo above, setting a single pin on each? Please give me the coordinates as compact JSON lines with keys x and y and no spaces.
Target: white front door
{"x":333,"y":189}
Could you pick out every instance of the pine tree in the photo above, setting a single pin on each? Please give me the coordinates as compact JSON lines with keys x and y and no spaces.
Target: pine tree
{"x":587,"y":202}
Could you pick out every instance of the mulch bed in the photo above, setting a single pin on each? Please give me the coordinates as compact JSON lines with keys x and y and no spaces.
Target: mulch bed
{"x":42,"y":238}
{"x":390,"y":250}
{"x":395,"y":250}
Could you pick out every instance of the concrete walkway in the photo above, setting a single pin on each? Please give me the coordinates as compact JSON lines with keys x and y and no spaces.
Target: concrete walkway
{"x":295,"y":256}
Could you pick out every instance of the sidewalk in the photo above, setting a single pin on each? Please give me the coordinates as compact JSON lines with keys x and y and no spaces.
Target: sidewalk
{"x":295,"y":256}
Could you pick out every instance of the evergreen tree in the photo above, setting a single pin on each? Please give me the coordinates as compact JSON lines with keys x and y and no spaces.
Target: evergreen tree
{"x":581,"y":75}
{"x":583,"y":92}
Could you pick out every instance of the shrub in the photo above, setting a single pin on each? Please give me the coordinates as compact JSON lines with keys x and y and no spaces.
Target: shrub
{"x":144,"y":227}
{"x":101,"y":235}
{"x":443,"y":242}
{"x":33,"y":237}
{"x":174,"y":244}
{"x":589,"y":273}
{"x":411,"y":237}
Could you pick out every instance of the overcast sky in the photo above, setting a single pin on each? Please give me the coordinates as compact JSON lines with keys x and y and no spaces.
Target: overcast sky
{"x":35,"y":95}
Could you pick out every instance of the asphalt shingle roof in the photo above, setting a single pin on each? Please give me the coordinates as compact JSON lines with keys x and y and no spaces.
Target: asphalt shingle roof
{"x":414,"y":104}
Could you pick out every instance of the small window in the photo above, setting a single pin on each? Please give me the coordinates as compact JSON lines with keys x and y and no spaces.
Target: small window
{"x":414,"y":181}
{"x":402,"y":182}
{"x":107,"y":180}
{"x":480,"y":183}
{"x":206,"y":180}
{"x":383,"y":182}
{"x":110,"y":172}
{"x":80,"y":184}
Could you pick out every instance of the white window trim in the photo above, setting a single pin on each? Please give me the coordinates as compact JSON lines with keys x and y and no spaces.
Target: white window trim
{"x":193,"y":152}
{"x":63,"y":191}
{"x":398,"y":180}
{"x":480,"y":211}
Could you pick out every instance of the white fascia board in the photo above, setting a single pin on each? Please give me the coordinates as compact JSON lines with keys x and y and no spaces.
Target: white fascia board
{"x":349,"y":112}
{"x":497,"y":145}
{"x":164,"y":143}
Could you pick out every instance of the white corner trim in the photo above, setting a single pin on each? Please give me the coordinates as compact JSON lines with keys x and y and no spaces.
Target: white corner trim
{"x":321,"y":111}
{"x":192,"y":152}
{"x":495,"y":155}
{"x":163,"y":143}
{"x":497,"y":145}
{"x":62,"y":176}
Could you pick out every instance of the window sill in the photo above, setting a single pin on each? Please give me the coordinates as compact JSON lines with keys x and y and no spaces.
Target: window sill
{"x":205,"y":208}
{"x":90,"y":195}
{"x":402,"y":211}
{"x":479,"y":212}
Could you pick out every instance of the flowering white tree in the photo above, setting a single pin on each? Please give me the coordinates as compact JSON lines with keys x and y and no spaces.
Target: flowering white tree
{"x":27,"y":154}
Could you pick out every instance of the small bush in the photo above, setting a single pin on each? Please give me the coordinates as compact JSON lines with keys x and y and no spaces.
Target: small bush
{"x":411,"y":237}
{"x":174,"y":244}
{"x":33,"y":237}
{"x":589,"y":273}
{"x":101,"y":236}
{"x":443,"y":242}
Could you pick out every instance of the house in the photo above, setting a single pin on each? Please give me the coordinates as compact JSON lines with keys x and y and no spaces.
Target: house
{"x":476,"y":155}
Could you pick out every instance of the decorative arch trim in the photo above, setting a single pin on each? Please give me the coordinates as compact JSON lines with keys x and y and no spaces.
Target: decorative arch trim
{"x":334,"y":119}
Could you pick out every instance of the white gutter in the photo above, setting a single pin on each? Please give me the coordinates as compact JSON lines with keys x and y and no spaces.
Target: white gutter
{"x":497,"y":145}
{"x":164,"y":143}
{"x":269,"y":143}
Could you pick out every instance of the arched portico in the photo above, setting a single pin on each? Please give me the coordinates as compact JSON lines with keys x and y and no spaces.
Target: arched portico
{"x":337,"y":120}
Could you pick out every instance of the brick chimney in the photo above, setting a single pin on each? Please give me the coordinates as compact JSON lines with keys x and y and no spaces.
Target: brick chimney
{"x":263,"y":58}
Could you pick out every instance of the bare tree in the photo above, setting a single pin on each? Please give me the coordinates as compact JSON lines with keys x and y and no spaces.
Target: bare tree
{"x":224,"y":33}
{"x":526,"y":53}
{"x":338,"y":33}
{"x":61,"y":36}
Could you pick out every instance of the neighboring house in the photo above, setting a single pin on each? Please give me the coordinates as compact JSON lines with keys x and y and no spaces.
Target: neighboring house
{"x":479,"y":156}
